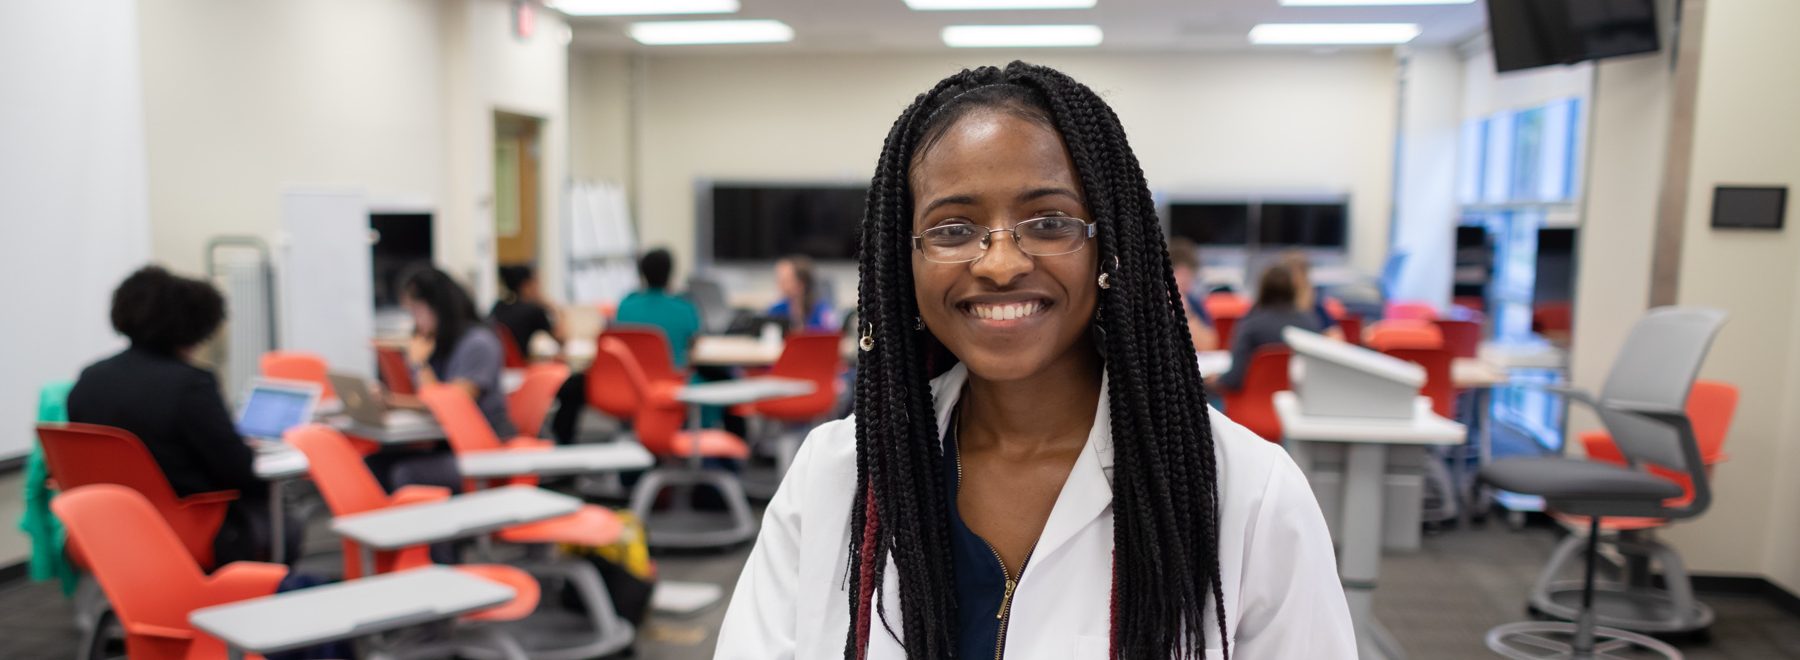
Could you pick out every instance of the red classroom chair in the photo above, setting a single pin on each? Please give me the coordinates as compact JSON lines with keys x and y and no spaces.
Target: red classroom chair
{"x":528,"y":405}
{"x":1462,"y":338}
{"x":510,"y":355}
{"x":301,"y":366}
{"x":1438,"y":384}
{"x":394,"y":370}
{"x":152,"y":585}
{"x":1388,"y":334}
{"x":86,"y":454}
{"x":1253,"y":405}
{"x":1408,"y":309}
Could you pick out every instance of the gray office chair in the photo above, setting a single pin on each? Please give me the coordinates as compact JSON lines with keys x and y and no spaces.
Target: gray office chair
{"x":1643,"y":406}
{"x":709,"y":297}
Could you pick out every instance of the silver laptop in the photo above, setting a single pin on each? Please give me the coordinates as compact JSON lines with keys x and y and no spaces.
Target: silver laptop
{"x":364,"y":403}
{"x":274,"y":406}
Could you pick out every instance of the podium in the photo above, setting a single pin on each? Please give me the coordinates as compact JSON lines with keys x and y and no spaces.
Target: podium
{"x":1357,"y":427}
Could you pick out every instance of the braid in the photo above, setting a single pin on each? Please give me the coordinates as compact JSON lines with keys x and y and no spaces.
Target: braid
{"x":1165,"y":498}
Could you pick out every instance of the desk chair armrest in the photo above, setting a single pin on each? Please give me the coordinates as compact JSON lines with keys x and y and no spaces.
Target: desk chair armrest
{"x":214,"y":497}
{"x":418,"y":494}
{"x":244,"y":580}
{"x":1695,"y":468}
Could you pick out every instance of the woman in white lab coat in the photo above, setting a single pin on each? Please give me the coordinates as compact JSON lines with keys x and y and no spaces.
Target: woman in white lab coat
{"x":1032,"y":470}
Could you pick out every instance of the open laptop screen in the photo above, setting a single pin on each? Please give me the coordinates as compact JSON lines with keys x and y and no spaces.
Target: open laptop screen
{"x":271,"y":410}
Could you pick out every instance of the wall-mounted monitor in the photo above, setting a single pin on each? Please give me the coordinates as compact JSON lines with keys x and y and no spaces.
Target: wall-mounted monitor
{"x":1534,"y":33}
{"x":753,"y":222}
{"x":1302,"y":225}
{"x":1211,"y":223}
{"x":402,"y":240}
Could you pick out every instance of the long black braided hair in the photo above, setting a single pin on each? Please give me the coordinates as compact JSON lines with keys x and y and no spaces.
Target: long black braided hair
{"x":1165,"y":497}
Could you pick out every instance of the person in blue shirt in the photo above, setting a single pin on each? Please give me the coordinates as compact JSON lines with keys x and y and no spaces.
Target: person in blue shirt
{"x":801,"y":304}
{"x":652,"y":305}
{"x":1184,"y":258}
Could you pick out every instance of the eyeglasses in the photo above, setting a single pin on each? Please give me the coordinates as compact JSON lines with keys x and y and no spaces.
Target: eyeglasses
{"x":1048,"y":236}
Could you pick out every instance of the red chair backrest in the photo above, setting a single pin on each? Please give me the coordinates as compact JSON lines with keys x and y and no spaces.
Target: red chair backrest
{"x":394,"y":370}
{"x":810,"y":356}
{"x":528,"y":405}
{"x":1335,"y":308}
{"x":298,"y":365}
{"x":1223,"y":305}
{"x":1552,"y":317}
{"x":656,"y":417}
{"x":348,"y":488}
{"x":1224,"y":326}
{"x":650,"y":347}
{"x":1437,"y":387}
{"x":1711,"y":405}
{"x":1389,"y":334}
{"x":1254,"y":405}
{"x":1462,"y":338}
{"x":510,"y":355}
{"x":1352,"y":326}
{"x":464,"y":426}
{"x":1409,"y":309}
{"x":87,"y":454}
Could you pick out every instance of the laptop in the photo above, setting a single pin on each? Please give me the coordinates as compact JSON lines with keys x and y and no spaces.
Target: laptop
{"x":274,"y":406}
{"x":364,"y":403}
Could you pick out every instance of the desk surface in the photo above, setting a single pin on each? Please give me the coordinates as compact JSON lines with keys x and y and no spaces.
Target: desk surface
{"x":349,"y":609}
{"x":402,"y":435}
{"x":1465,"y":373}
{"x":733,"y":351}
{"x":1425,"y":428}
{"x":580,"y":459}
{"x":743,"y":390}
{"x":279,"y":462}
{"x":461,"y":516}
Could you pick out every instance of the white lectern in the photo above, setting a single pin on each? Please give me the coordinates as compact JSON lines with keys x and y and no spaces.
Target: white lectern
{"x":1350,"y":405}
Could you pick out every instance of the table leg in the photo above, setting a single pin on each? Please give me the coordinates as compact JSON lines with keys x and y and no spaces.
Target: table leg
{"x":368,"y":559}
{"x":1359,"y":556}
{"x":277,"y":523}
{"x":695,"y":425}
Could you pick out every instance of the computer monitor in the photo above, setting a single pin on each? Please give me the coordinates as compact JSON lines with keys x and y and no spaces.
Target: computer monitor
{"x":273,"y":406}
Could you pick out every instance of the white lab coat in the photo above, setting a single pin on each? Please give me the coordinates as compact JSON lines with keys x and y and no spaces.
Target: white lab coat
{"x":1282,"y":594}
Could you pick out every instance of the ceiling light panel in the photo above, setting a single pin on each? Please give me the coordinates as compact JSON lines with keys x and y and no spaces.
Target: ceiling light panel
{"x":1370,"y":3}
{"x":1332,"y":34}
{"x":968,"y":5}
{"x":643,"y":7}
{"x":1021,"y":36}
{"x":689,"y":33}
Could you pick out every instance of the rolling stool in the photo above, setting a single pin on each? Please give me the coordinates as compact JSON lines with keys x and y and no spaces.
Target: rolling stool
{"x":1643,"y":406}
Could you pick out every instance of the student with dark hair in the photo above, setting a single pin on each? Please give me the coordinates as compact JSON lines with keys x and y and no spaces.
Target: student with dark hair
{"x":651,"y":305}
{"x":1184,"y":259}
{"x":1307,"y":296}
{"x":1032,"y":470}
{"x":1278,"y":306}
{"x":153,"y":390}
{"x":522,"y":310}
{"x":801,"y":303}
{"x":451,"y":345}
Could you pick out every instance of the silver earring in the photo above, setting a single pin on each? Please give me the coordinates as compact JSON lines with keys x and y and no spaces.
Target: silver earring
{"x":868,"y":339}
{"x":918,"y":323}
{"x":1104,"y":284}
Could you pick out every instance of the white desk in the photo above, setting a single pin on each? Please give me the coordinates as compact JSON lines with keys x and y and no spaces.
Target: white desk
{"x":1361,"y":510}
{"x":348,"y":609}
{"x":743,"y":390}
{"x":733,"y":351}
{"x":580,"y":459}
{"x":402,"y":435}
{"x":277,"y":463}
{"x":462,"y":516}
{"x":1465,"y":373}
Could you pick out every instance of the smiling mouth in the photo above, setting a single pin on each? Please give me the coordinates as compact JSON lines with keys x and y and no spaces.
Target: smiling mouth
{"x":1013,"y":311}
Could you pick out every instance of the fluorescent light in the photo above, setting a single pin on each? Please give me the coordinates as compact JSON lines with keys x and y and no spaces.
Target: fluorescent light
{"x":643,"y":7}
{"x":1370,"y":3}
{"x":672,"y":33}
{"x":1333,"y":33}
{"x":960,"y":5}
{"x":1021,"y":36}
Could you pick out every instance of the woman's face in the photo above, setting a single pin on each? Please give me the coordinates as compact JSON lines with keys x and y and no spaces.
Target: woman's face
{"x":1006,"y":315}
{"x":788,"y":281}
{"x":424,"y":320}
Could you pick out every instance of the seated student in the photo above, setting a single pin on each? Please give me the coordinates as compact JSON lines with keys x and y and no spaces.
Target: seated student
{"x":1184,"y":256}
{"x":155,"y":392}
{"x":523,"y":310}
{"x":451,"y":345}
{"x":652,"y":305}
{"x":801,"y":303}
{"x":1307,"y":296}
{"x":1277,"y":307}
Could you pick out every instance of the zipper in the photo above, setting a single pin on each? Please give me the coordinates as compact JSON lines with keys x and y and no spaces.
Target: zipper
{"x":1012,"y":582}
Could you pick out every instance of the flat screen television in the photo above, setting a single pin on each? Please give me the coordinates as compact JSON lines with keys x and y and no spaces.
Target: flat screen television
{"x":763,"y":222}
{"x":1211,"y":224}
{"x":1301,"y":225}
{"x":402,"y":240}
{"x":1534,"y":33}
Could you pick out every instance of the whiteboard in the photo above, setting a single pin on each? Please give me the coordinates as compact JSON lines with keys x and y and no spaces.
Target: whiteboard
{"x":324,"y":277}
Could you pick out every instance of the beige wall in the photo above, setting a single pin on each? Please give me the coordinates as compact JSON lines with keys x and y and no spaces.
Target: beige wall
{"x":599,"y":108}
{"x":1198,"y":122}
{"x":393,"y":97}
{"x":1744,"y":132}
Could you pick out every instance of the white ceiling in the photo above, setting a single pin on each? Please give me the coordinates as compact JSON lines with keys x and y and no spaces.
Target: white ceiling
{"x":1129,"y":25}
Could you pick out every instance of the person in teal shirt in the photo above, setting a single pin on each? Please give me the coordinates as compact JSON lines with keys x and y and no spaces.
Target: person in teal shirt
{"x":652,"y":305}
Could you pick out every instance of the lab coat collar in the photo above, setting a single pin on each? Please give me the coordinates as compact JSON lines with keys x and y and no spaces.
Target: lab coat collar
{"x":1088,"y":492}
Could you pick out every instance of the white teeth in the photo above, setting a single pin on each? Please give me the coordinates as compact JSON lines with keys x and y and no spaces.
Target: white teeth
{"x":1005,"y":312}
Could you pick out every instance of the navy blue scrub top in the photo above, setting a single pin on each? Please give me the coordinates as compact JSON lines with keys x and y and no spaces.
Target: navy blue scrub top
{"x":980,"y":579}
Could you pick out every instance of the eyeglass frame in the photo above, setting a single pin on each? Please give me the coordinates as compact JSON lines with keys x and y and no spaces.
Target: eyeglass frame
{"x":987,"y":240}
